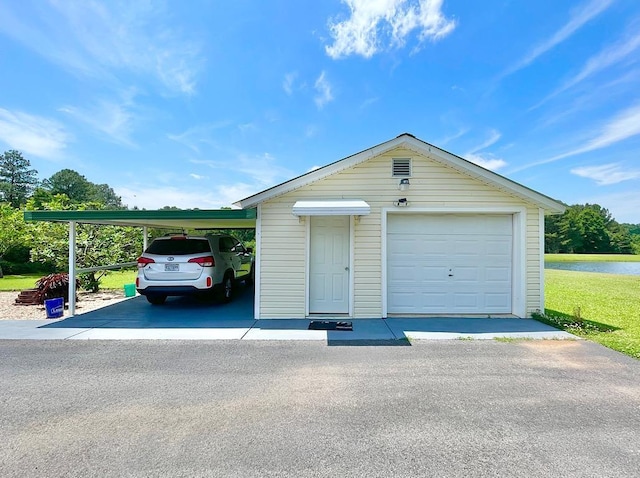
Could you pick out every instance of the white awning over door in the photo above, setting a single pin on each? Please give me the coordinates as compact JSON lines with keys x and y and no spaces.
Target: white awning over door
{"x":333,"y":207}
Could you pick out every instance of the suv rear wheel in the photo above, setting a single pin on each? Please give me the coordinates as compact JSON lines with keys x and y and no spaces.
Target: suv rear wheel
{"x":227,"y":288}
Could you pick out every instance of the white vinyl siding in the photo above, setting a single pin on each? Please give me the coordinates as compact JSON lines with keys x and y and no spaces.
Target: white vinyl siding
{"x":283,"y":253}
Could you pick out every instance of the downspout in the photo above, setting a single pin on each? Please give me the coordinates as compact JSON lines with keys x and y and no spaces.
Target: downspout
{"x":72,"y":268}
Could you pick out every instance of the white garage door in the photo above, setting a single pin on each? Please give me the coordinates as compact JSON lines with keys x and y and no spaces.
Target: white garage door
{"x":449,"y":264}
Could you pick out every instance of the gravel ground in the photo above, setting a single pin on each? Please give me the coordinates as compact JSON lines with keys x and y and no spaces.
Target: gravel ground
{"x":87,"y":302}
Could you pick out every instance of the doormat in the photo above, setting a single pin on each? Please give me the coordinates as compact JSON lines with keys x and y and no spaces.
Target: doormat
{"x":329,"y":325}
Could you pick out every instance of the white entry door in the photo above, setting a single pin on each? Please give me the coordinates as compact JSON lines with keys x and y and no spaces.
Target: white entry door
{"x":329,"y":265}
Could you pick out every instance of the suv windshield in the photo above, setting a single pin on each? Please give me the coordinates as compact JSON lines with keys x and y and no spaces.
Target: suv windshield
{"x":178,"y":247}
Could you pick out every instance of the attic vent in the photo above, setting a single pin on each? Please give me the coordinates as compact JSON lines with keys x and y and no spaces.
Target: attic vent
{"x":401,"y":168}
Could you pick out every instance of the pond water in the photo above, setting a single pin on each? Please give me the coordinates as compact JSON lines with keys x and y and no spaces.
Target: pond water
{"x":628,"y":268}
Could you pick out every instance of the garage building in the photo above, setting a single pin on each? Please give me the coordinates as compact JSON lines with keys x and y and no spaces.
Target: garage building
{"x":401,"y":229}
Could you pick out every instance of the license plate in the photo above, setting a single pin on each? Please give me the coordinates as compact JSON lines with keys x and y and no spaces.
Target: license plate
{"x":171,"y":267}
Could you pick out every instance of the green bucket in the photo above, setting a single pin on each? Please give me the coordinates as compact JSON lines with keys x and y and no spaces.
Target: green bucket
{"x":129,"y":290}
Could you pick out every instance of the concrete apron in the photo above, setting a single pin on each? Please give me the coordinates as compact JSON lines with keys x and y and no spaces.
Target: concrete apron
{"x":188,"y":323}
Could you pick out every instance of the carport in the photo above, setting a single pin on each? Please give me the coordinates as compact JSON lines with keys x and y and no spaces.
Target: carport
{"x":199,"y":219}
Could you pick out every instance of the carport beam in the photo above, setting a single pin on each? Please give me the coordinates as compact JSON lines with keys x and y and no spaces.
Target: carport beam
{"x":72,"y":268}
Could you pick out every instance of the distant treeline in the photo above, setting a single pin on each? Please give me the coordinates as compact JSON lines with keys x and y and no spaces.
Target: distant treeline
{"x":590,"y":229}
{"x":42,"y":247}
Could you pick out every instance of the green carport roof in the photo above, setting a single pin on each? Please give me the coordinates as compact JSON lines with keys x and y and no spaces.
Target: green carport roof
{"x":188,"y":219}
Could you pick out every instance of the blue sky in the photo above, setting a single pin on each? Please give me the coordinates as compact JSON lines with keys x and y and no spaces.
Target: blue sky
{"x":200,"y":103}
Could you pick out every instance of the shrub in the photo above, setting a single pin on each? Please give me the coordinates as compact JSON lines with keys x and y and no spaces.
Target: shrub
{"x":54,"y":285}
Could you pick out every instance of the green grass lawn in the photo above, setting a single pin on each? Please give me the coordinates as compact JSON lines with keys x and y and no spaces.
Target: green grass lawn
{"x":604,"y":308}
{"x":592,"y":257}
{"x":9,"y":283}
{"x":113,"y":280}
{"x":117,"y":279}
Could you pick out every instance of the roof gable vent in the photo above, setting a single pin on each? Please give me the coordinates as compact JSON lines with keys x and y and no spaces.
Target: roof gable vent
{"x":401,"y":168}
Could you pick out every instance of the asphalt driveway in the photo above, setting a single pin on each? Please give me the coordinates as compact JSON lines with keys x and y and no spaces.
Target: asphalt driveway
{"x":268,"y":408}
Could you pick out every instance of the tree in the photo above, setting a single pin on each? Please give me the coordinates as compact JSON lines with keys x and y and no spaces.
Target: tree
{"x":17,"y":179}
{"x":587,"y":229}
{"x":620,"y":238}
{"x":38,"y":199}
{"x":104,"y":194}
{"x":70,"y":183}
{"x":593,"y":230}
{"x":12,"y":229}
{"x":80,"y":190}
{"x":95,"y":245}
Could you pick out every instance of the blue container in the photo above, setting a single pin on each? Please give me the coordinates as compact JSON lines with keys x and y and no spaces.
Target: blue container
{"x":54,"y":308}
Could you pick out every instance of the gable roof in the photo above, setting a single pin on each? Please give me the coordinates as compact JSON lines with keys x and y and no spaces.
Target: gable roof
{"x":410,"y":142}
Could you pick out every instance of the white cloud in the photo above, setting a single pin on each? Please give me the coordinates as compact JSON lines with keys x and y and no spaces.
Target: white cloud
{"x":288,"y":82}
{"x":594,"y":97}
{"x":606,"y":174}
{"x":198,"y":176}
{"x":323,"y":87}
{"x":447,"y":139}
{"x":579,"y":17}
{"x":156,"y":196}
{"x":368,"y":102}
{"x":623,"y":126}
{"x":494,"y":137}
{"x":310,"y":131}
{"x":262,"y":170}
{"x":380,"y":24}
{"x":606,"y":58}
{"x":33,"y":135}
{"x":487,"y":161}
{"x":247,"y":127}
{"x":231,"y":193}
{"x":103,"y":39}
{"x":114,"y":119}
{"x":194,"y":138}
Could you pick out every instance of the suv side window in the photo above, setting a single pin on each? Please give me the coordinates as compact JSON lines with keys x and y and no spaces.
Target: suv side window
{"x":238,"y":248}
{"x":226,"y":244}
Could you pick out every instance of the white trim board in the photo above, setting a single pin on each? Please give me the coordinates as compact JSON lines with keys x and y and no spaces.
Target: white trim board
{"x":257,"y":283}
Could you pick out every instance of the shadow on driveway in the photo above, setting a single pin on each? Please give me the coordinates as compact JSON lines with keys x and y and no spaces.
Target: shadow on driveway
{"x":189,"y":318}
{"x":175,"y":313}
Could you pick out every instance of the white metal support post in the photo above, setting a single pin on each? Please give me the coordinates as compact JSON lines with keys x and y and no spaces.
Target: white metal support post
{"x":145,"y":238}
{"x":72,"y":268}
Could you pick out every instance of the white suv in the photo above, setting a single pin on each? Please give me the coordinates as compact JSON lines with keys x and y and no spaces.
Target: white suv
{"x":185,"y":265}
